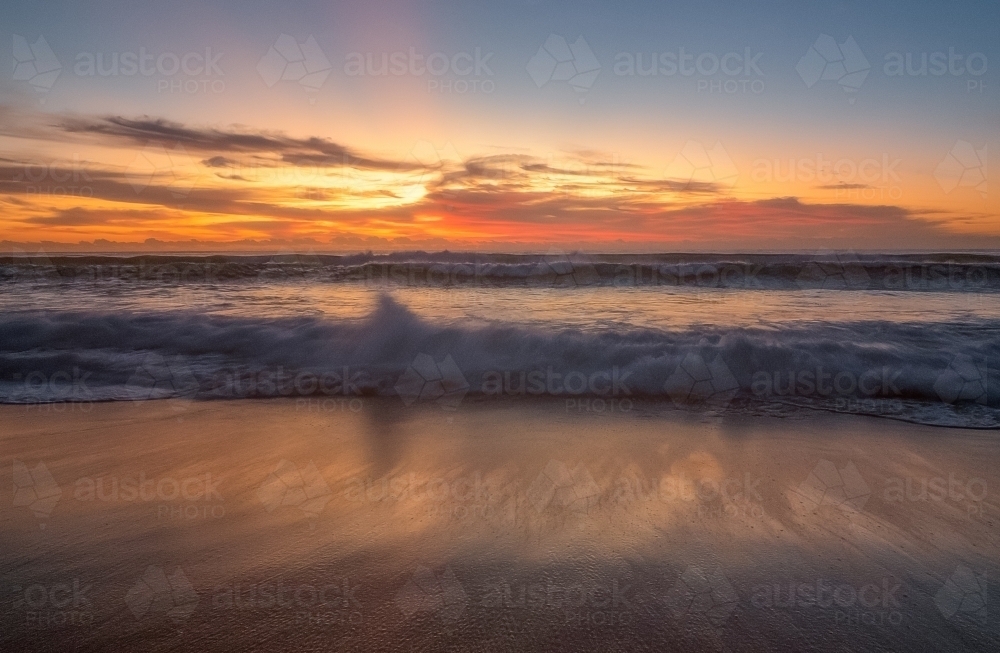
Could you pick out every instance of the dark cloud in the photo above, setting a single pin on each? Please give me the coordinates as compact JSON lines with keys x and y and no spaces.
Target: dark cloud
{"x":515,"y":170}
{"x":312,"y":151}
{"x":219,"y":162}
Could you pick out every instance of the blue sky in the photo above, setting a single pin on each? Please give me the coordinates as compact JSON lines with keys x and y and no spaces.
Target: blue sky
{"x":767,"y":112}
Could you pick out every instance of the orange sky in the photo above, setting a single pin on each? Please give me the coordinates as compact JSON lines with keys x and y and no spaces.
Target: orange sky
{"x":73,"y":178}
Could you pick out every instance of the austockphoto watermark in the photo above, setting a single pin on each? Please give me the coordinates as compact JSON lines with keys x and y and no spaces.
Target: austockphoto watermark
{"x":462,"y":497}
{"x":186,"y":498}
{"x":554,"y":168}
{"x":54,"y":178}
{"x":576,"y":603}
{"x":584,"y":391}
{"x":303,"y":176}
{"x":727,"y":497}
{"x":599,"y":405}
{"x":445,"y":275}
{"x":869,"y":390}
{"x":560,"y":271}
{"x":140,"y":271}
{"x":457,"y":73}
{"x":337,"y":389}
{"x":966,"y":493}
{"x":869,"y":178}
{"x":729,"y":73}
{"x":869,"y":604}
{"x":936,"y":276}
{"x":971,"y":67}
{"x":697,"y":274}
{"x":333,"y":603}
{"x":53,"y":606}
{"x":52,"y":391}
{"x":429,"y":275}
{"x":190,"y":73}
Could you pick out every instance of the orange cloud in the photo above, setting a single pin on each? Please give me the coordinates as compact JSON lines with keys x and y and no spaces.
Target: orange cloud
{"x":149,"y":178}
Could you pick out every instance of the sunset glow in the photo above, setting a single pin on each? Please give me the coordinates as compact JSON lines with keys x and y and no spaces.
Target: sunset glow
{"x":410,"y":136}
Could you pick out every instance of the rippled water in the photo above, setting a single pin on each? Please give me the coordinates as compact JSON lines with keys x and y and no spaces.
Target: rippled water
{"x":586,"y":307}
{"x":930,"y":349}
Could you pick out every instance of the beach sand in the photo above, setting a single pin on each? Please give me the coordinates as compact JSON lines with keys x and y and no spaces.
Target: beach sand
{"x":366,"y":525}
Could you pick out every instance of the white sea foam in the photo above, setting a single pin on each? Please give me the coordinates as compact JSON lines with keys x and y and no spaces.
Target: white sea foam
{"x":898,"y":370}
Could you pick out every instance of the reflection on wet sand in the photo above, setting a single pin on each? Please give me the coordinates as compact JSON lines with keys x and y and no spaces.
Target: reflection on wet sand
{"x":261,"y":524}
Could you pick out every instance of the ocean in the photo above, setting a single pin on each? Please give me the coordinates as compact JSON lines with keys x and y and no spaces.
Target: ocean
{"x":453,"y":452}
{"x":911,"y":337}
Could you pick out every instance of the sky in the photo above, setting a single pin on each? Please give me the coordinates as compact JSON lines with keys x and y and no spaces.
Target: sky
{"x":521,"y":126}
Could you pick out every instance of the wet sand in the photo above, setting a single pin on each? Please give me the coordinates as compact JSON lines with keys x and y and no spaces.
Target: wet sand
{"x":291,"y":525}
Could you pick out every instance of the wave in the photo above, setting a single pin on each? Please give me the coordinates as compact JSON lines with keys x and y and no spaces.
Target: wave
{"x":937,"y":373}
{"x":835,"y":271}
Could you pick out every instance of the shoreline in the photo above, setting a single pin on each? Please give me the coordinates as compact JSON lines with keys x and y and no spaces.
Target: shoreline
{"x":637,"y":405}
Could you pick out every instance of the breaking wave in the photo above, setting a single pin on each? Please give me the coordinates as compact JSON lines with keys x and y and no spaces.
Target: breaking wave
{"x":839,"y":271}
{"x":942,"y":373}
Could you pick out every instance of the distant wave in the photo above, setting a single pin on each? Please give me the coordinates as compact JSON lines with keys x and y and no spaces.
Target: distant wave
{"x":948,"y":371}
{"x":836,"y":271}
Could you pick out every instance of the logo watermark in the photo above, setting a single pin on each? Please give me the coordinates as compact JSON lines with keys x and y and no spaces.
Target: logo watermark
{"x":697,"y":381}
{"x":827,"y":485}
{"x":834,"y":271}
{"x":155,"y":166}
{"x":962,"y":598}
{"x":964,"y":381}
{"x":964,"y":166}
{"x":36,"y":489}
{"x":304,"y":489}
{"x":35,"y":63}
{"x":158,"y":377}
{"x":843,"y":63}
{"x":557,"y":487}
{"x":426,"y":380}
{"x":560,"y":61}
{"x":156,"y":594}
{"x":702,"y":594}
{"x":438,"y":594}
{"x":288,"y":60}
{"x":696,"y":164}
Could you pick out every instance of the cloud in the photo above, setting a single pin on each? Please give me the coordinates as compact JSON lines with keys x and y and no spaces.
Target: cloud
{"x":573,"y":172}
{"x":218,"y":162}
{"x":312,"y":151}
